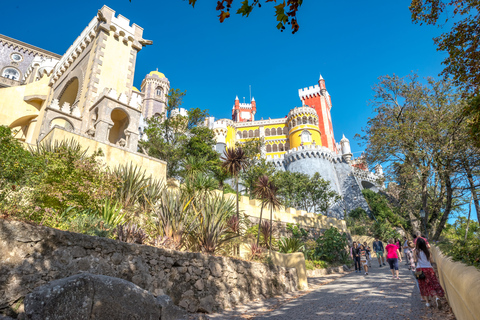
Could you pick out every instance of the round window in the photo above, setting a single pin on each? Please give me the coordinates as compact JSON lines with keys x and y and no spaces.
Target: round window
{"x":16,"y":57}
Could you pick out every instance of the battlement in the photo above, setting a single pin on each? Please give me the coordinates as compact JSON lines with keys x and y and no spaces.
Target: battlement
{"x":310,"y":91}
{"x":245,"y":106}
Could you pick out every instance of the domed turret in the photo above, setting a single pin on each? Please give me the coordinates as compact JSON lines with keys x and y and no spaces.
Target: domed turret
{"x":303,"y":127}
{"x":155,"y":86}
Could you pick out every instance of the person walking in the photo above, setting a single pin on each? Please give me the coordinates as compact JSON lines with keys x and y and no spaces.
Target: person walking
{"x":363,"y":258}
{"x":429,"y":285}
{"x":378,"y":248}
{"x":405,"y":249}
{"x":409,"y":252}
{"x":355,"y":255}
{"x":399,"y":245}
{"x":369,"y":254}
{"x":393,"y":256}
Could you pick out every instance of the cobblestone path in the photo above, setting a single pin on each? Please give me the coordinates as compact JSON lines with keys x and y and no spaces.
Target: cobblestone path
{"x":353,"y":296}
{"x":359,"y":296}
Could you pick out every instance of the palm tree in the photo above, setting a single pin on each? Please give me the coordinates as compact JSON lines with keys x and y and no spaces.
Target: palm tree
{"x":273,"y":202}
{"x":234,"y":161}
{"x":261,"y":191}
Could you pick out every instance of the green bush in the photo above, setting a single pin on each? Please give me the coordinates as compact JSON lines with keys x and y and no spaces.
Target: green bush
{"x":467,"y":252}
{"x":316,"y":264}
{"x":70,"y":178}
{"x":330,"y":246}
{"x":15,"y":161}
{"x":290,"y":245}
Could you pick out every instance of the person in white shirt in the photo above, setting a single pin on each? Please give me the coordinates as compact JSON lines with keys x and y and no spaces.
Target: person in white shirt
{"x":428,"y":283}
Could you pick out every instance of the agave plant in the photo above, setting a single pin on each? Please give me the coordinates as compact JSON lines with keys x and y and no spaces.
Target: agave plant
{"x":213,"y":231}
{"x":290,"y":245}
{"x":173,"y":218}
{"x":70,"y":146}
{"x":130,"y":233}
{"x":111,"y":213}
{"x":134,"y":182}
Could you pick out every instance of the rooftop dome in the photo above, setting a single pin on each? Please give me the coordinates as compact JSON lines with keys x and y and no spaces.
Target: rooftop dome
{"x":159,"y":74}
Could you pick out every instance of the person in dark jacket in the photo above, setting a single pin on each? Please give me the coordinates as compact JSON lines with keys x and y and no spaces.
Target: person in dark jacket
{"x":355,"y":255}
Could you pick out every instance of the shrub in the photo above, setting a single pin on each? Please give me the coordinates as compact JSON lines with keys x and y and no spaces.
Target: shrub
{"x":316,"y":264}
{"x":290,"y":245}
{"x":130,"y":233}
{"x":69,"y":178}
{"x":15,"y":161}
{"x":212,"y":230}
{"x":330,"y":245}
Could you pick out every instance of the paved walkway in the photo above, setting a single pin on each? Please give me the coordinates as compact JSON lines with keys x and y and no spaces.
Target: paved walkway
{"x":353,"y":296}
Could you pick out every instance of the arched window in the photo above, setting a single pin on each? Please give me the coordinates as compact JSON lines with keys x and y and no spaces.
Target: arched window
{"x":120,"y":124}
{"x":305,"y":120}
{"x":69,"y":93}
{"x":306,"y":136}
{"x":310,"y":120}
{"x":245,"y":134}
{"x":60,"y":122}
{"x":159,"y":92}
{"x":280,"y":147}
{"x":279,"y":131}
{"x":11,"y":73}
{"x":285,"y":130}
{"x":287,"y":146}
{"x":267,"y":132}
{"x":294,"y":123}
{"x":274,"y":148}
{"x":257,"y":133}
{"x":250,"y":133}
{"x":239,"y":135}
{"x":269,"y":148}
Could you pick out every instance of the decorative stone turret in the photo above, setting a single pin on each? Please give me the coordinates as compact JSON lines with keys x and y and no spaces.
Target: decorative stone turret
{"x":244,"y":112}
{"x":346,"y":151}
{"x":155,"y":87}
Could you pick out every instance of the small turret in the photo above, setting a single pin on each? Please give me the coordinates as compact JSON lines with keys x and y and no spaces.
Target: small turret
{"x":379,"y":170}
{"x":321,"y":83}
{"x":254,"y":106}
{"x":346,"y":151}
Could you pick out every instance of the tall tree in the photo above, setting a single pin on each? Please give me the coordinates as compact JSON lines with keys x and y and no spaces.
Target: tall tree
{"x":173,"y":137}
{"x":256,"y":166}
{"x":234,"y":162}
{"x":418,"y":128}
{"x":262,"y":192}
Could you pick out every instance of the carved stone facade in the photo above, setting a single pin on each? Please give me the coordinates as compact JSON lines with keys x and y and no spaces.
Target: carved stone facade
{"x":88,"y":90}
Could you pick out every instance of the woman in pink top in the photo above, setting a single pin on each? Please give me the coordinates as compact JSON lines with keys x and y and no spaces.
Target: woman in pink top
{"x":393,"y":256}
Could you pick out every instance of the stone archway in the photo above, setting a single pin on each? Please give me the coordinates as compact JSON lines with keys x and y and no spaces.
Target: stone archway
{"x":69,"y":93}
{"x":120,"y":124}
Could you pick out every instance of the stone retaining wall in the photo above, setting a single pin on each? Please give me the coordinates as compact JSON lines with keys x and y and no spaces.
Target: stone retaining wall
{"x":35,"y":255}
{"x":461,"y":284}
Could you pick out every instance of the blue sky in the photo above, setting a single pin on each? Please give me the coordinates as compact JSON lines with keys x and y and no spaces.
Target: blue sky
{"x":350,"y":43}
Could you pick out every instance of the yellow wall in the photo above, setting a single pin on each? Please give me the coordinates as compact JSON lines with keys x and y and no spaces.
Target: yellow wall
{"x":461,"y":284}
{"x":291,"y":215}
{"x":115,"y":63}
{"x":295,"y":139}
{"x":113,"y":155}
{"x":230,"y":140}
{"x":14,"y":109}
{"x":292,"y":260}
